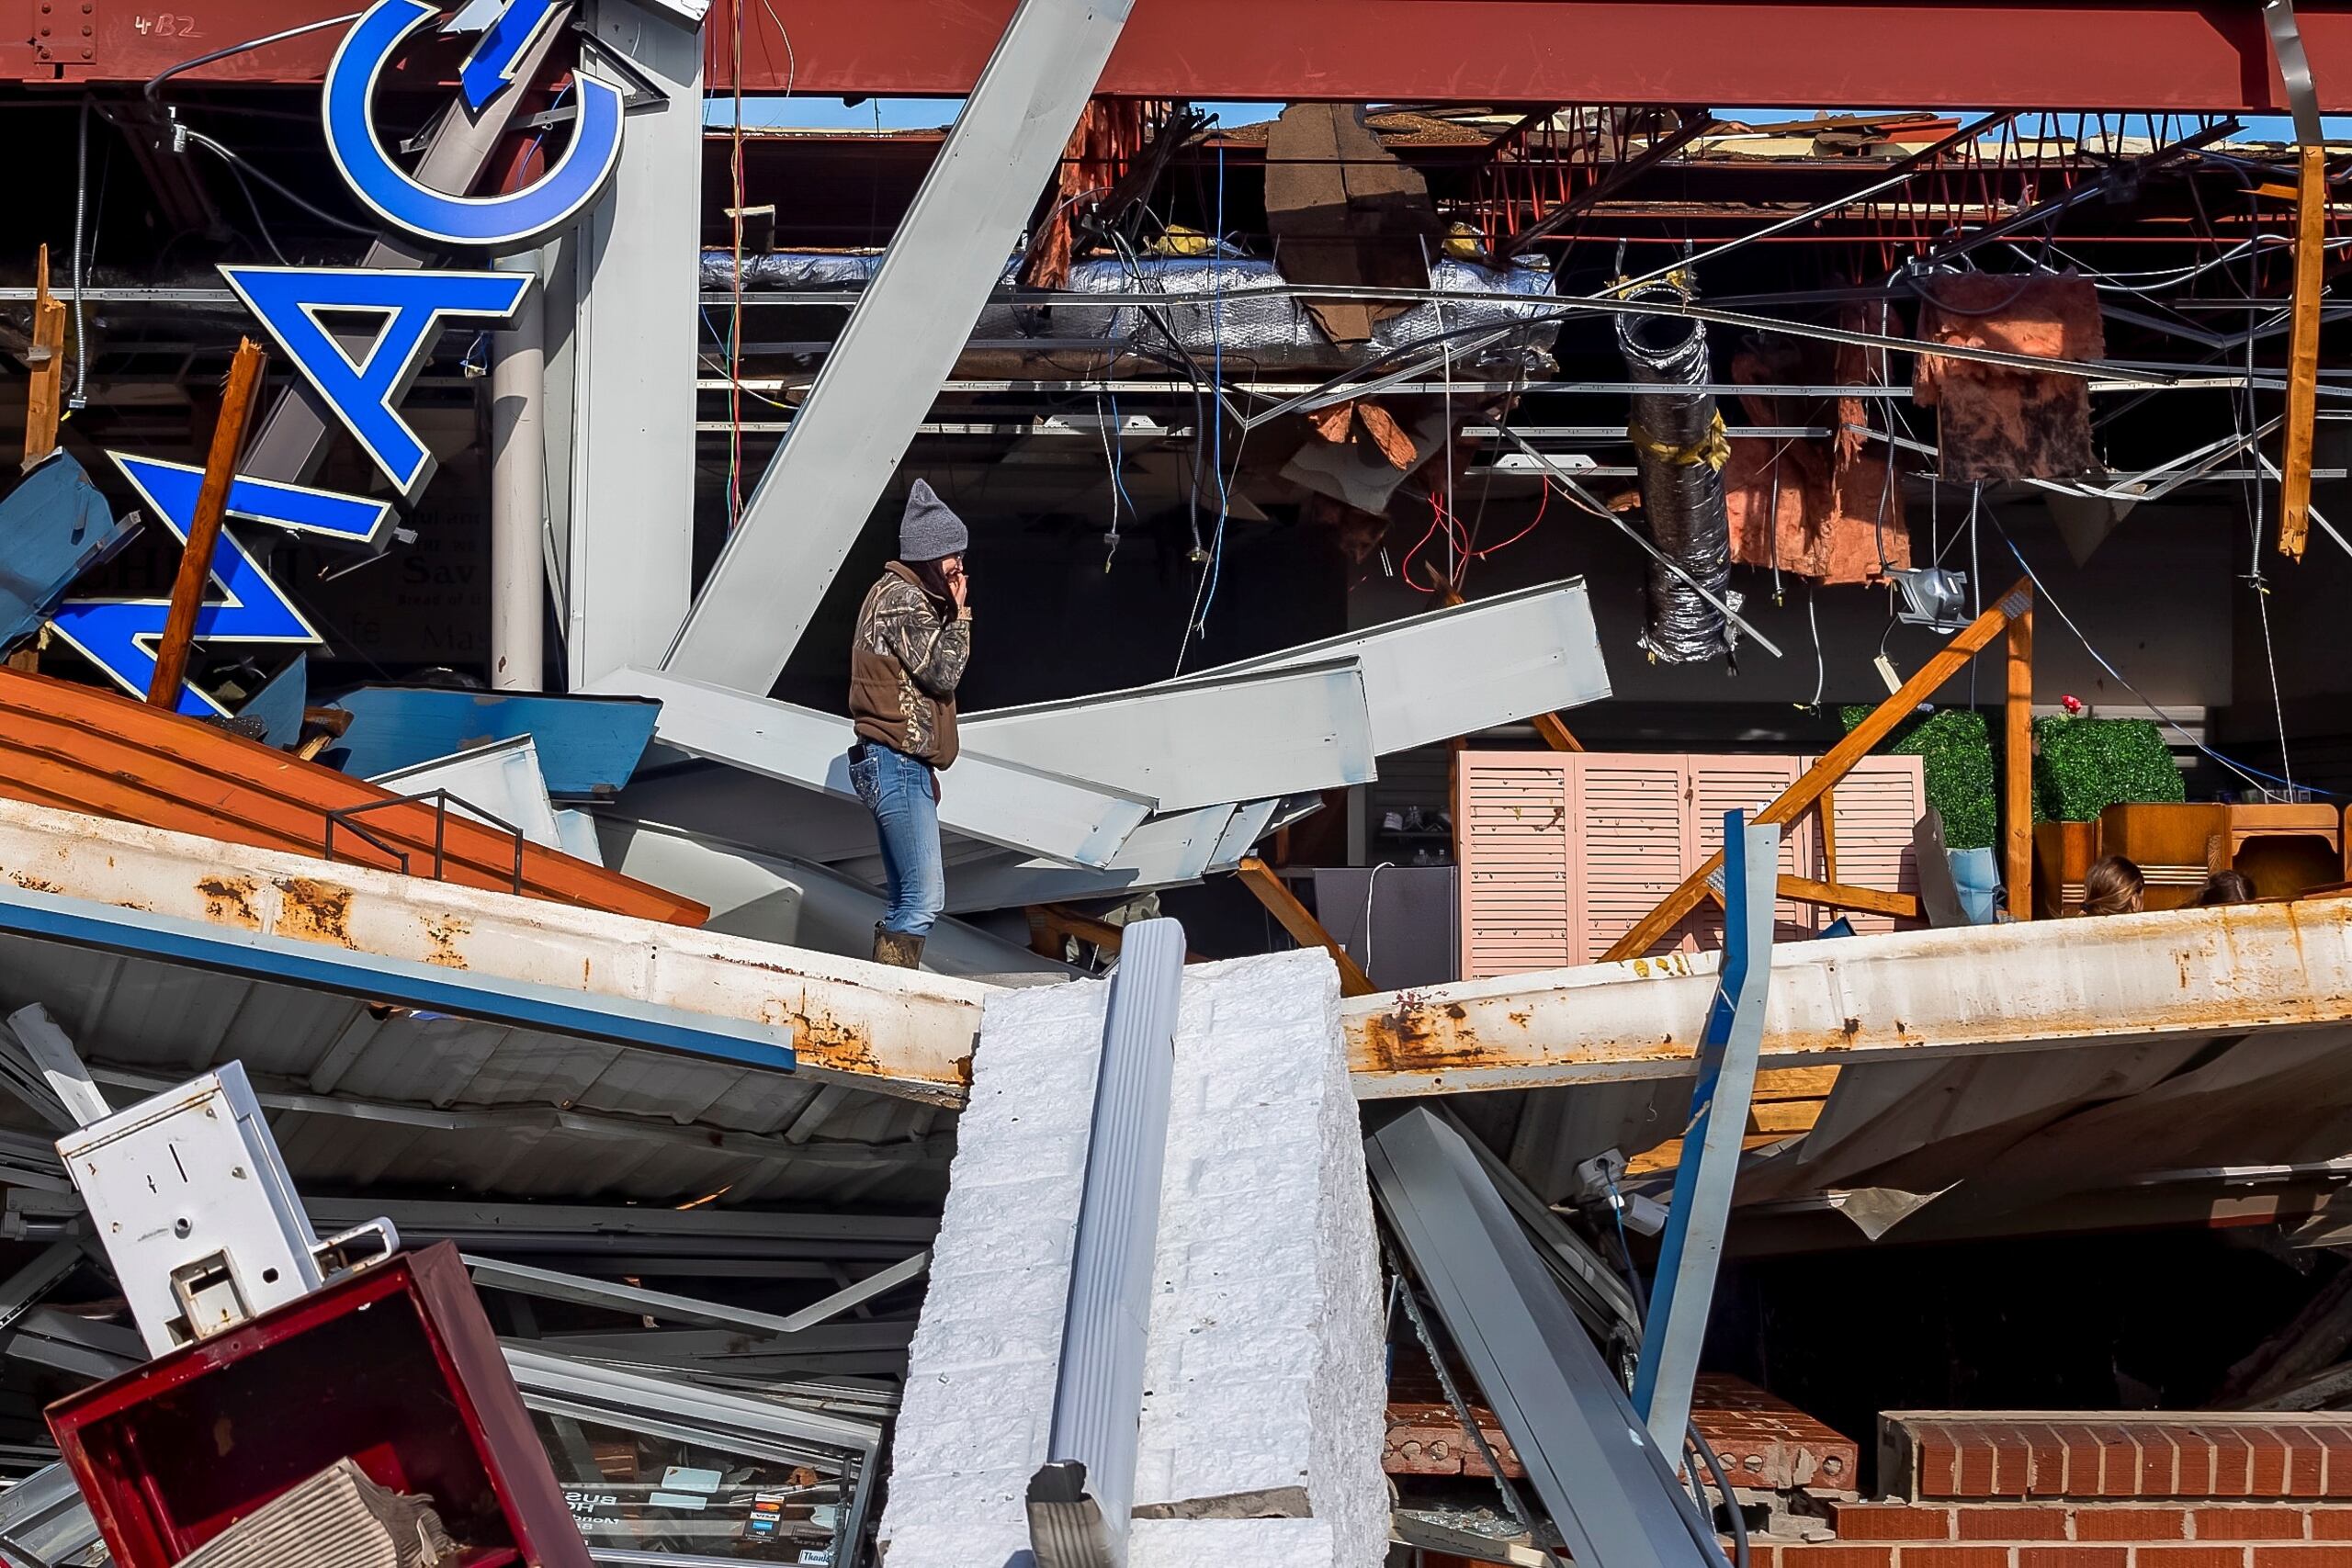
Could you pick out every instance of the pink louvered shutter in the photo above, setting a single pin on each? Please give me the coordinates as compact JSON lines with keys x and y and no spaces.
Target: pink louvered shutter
{"x":1721,"y":784}
{"x":1877,"y":808}
{"x":1634,"y":842}
{"x":1512,"y":819}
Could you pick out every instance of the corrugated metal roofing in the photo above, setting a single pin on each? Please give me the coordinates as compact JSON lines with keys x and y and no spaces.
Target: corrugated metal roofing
{"x":411,"y":1103}
{"x":368,"y":1097}
{"x":72,"y":745}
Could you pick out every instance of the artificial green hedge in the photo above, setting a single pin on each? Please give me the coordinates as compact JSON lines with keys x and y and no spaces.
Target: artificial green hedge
{"x":2082,"y":766}
{"x":1955,"y":753}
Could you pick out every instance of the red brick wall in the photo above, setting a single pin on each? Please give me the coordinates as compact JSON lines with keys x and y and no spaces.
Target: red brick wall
{"x":2071,"y":1535}
{"x":1929,"y":1455}
{"x":2071,"y":1490}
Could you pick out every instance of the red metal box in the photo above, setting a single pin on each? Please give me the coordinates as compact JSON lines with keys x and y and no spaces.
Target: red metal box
{"x":394,"y":1366}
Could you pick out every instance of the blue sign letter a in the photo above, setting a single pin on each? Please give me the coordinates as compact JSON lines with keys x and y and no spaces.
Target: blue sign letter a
{"x":412,"y":309}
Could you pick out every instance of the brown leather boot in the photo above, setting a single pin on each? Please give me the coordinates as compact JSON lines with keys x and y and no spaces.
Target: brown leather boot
{"x":897,"y":949}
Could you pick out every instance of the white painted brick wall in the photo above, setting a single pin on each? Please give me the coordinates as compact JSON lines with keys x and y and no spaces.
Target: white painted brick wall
{"x":1264,"y":1366}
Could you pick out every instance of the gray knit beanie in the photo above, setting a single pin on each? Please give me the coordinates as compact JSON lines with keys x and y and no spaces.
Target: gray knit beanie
{"x":929,"y":531}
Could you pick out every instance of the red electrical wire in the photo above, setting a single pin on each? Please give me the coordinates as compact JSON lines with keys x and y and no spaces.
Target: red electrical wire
{"x":1543,"y":505}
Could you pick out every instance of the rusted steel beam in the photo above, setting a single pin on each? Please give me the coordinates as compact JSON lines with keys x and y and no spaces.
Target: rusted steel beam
{"x":1910,"y":996}
{"x":2178,"y":56}
{"x":1835,"y":763}
{"x":896,"y":1031}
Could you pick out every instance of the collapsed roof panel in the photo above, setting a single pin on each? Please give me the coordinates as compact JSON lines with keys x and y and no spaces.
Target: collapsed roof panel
{"x":86,"y":749}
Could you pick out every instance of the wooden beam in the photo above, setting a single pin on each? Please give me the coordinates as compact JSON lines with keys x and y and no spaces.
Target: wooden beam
{"x":1304,"y":927}
{"x":1836,"y":895}
{"x":204,"y":528}
{"x":1555,"y":733}
{"x":1829,"y":810}
{"x":44,"y":400}
{"x":2016,"y":770}
{"x":2303,"y":354}
{"x":1059,"y":920}
{"x":1837,"y":763}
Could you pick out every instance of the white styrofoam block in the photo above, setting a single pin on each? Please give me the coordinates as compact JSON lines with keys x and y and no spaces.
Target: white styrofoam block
{"x":983,"y":1362}
{"x":1263,"y":1369}
{"x":1235,"y":1543}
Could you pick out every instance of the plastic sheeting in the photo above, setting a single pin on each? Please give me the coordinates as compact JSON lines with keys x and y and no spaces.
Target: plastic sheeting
{"x":1679,"y":440}
{"x":1267,"y":329}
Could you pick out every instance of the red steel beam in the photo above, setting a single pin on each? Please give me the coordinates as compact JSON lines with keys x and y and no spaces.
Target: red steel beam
{"x":2170,"y":55}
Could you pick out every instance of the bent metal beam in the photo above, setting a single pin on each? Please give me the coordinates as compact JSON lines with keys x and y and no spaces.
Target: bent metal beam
{"x":899,"y":344}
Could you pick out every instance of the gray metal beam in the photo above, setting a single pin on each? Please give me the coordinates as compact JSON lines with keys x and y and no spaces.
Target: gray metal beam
{"x":798,"y":904}
{"x":1458,"y":671}
{"x":495,"y":1120}
{"x":1610,"y":1489}
{"x":550,"y":1285}
{"x":1166,"y":851}
{"x":898,"y":345}
{"x":1251,"y":823}
{"x":1020,"y":807}
{"x":575,"y":1230}
{"x":61,"y":1065}
{"x":628,"y":567}
{"x":720,"y":1347}
{"x":1244,"y":735}
{"x":24,"y":1289}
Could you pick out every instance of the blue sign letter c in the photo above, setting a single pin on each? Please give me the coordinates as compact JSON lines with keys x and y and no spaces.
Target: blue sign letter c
{"x":514,"y":219}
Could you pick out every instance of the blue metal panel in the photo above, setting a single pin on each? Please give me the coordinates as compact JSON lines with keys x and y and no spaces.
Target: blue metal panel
{"x":53,"y":527}
{"x":588,"y":745}
{"x":275,"y":960}
{"x":1693,"y":1243}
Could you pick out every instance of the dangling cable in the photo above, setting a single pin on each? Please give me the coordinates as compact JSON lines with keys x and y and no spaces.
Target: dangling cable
{"x":81,"y":276}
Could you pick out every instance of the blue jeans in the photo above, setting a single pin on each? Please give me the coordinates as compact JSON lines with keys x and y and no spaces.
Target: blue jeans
{"x":897,"y":789}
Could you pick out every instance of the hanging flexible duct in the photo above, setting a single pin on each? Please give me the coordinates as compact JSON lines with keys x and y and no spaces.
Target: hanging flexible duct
{"x":1679,"y":445}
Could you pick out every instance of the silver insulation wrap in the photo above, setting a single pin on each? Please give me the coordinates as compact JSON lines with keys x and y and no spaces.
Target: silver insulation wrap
{"x":1679,"y":443}
{"x":1264,"y":329}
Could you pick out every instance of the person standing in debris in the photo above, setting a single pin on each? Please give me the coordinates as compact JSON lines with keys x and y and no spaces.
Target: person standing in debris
{"x":914,"y":637}
{"x":2114,"y":886}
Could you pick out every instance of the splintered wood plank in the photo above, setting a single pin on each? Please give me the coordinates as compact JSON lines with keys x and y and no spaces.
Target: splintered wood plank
{"x":44,"y":400}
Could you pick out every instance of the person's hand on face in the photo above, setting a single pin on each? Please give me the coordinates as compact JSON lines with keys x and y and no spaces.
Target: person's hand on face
{"x":958,"y":585}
